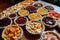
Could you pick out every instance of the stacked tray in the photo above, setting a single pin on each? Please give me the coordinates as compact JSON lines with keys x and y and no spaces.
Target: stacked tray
{"x":37,"y":20}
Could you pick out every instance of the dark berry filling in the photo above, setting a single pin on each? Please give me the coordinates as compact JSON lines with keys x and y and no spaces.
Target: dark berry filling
{"x":5,"y":22}
{"x":38,"y":5}
{"x":12,"y":15}
{"x":49,"y":20}
{"x":31,"y":9}
{"x":21,"y":20}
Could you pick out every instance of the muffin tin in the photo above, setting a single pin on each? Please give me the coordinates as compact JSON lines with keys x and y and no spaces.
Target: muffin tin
{"x":31,"y":9}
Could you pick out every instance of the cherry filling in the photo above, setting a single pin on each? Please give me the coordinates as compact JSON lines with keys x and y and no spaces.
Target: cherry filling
{"x":38,"y":5}
{"x":49,"y":7}
{"x":11,"y":38}
{"x":49,"y":20}
{"x":31,"y":9}
{"x":54,"y":14}
{"x":12,"y":15}
{"x":21,"y":20}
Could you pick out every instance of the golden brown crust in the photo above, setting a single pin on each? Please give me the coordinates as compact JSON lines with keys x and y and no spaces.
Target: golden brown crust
{"x":26,"y":2}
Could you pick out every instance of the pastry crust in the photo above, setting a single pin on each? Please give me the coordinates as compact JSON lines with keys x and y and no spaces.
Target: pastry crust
{"x":26,"y":3}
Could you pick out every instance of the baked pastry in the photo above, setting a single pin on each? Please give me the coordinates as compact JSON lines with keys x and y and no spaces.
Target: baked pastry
{"x":42,"y":11}
{"x":23,"y":12}
{"x":58,"y":22}
{"x":2,"y":15}
{"x":34,"y":17}
{"x":12,"y":15}
{"x":31,"y":9}
{"x":12,"y":32}
{"x":37,"y":5}
{"x":26,"y":3}
{"x":54,"y":14}
{"x":21,"y":21}
{"x":49,"y":8}
{"x":5,"y":22}
{"x":49,"y":21}
{"x":34,"y":27}
{"x":50,"y":35}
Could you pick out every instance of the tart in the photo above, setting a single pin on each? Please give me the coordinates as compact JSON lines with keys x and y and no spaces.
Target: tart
{"x":26,"y":3}
{"x":49,"y":21}
{"x":34,"y":17}
{"x":42,"y":11}
{"x":49,"y":8}
{"x":15,"y":7}
{"x":2,"y":15}
{"x":34,"y":27}
{"x":5,"y":22}
{"x":12,"y":15}
{"x":23,"y":12}
{"x":58,"y":22}
{"x":30,"y":1}
{"x":50,"y":35}
{"x":8,"y":34}
{"x":37,"y":5}
{"x":54,"y":14}
{"x":6,"y":12}
{"x":10,"y":10}
{"x":31,"y":9}
{"x":21,"y":21}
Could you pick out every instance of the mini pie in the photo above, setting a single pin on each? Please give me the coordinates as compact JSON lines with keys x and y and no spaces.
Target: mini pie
{"x":49,"y":8}
{"x":12,"y":32}
{"x":50,"y":35}
{"x":24,"y":4}
{"x":10,"y":9}
{"x":37,"y":5}
{"x":42,"y":11}
{"x":54,"y":14}
{"x":49,"y":21}
{"x":23,"y":12}
{"x":34,"y":16}
{"x":30,"y":1}
{"x":34,"y":27}
{"x":2,"y":15}
{"x":21,"y":21}
{"x":12,"y":15}
{"x":58,"y":22}
{"x":5,"y":22}
{"x":31,"y":9}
